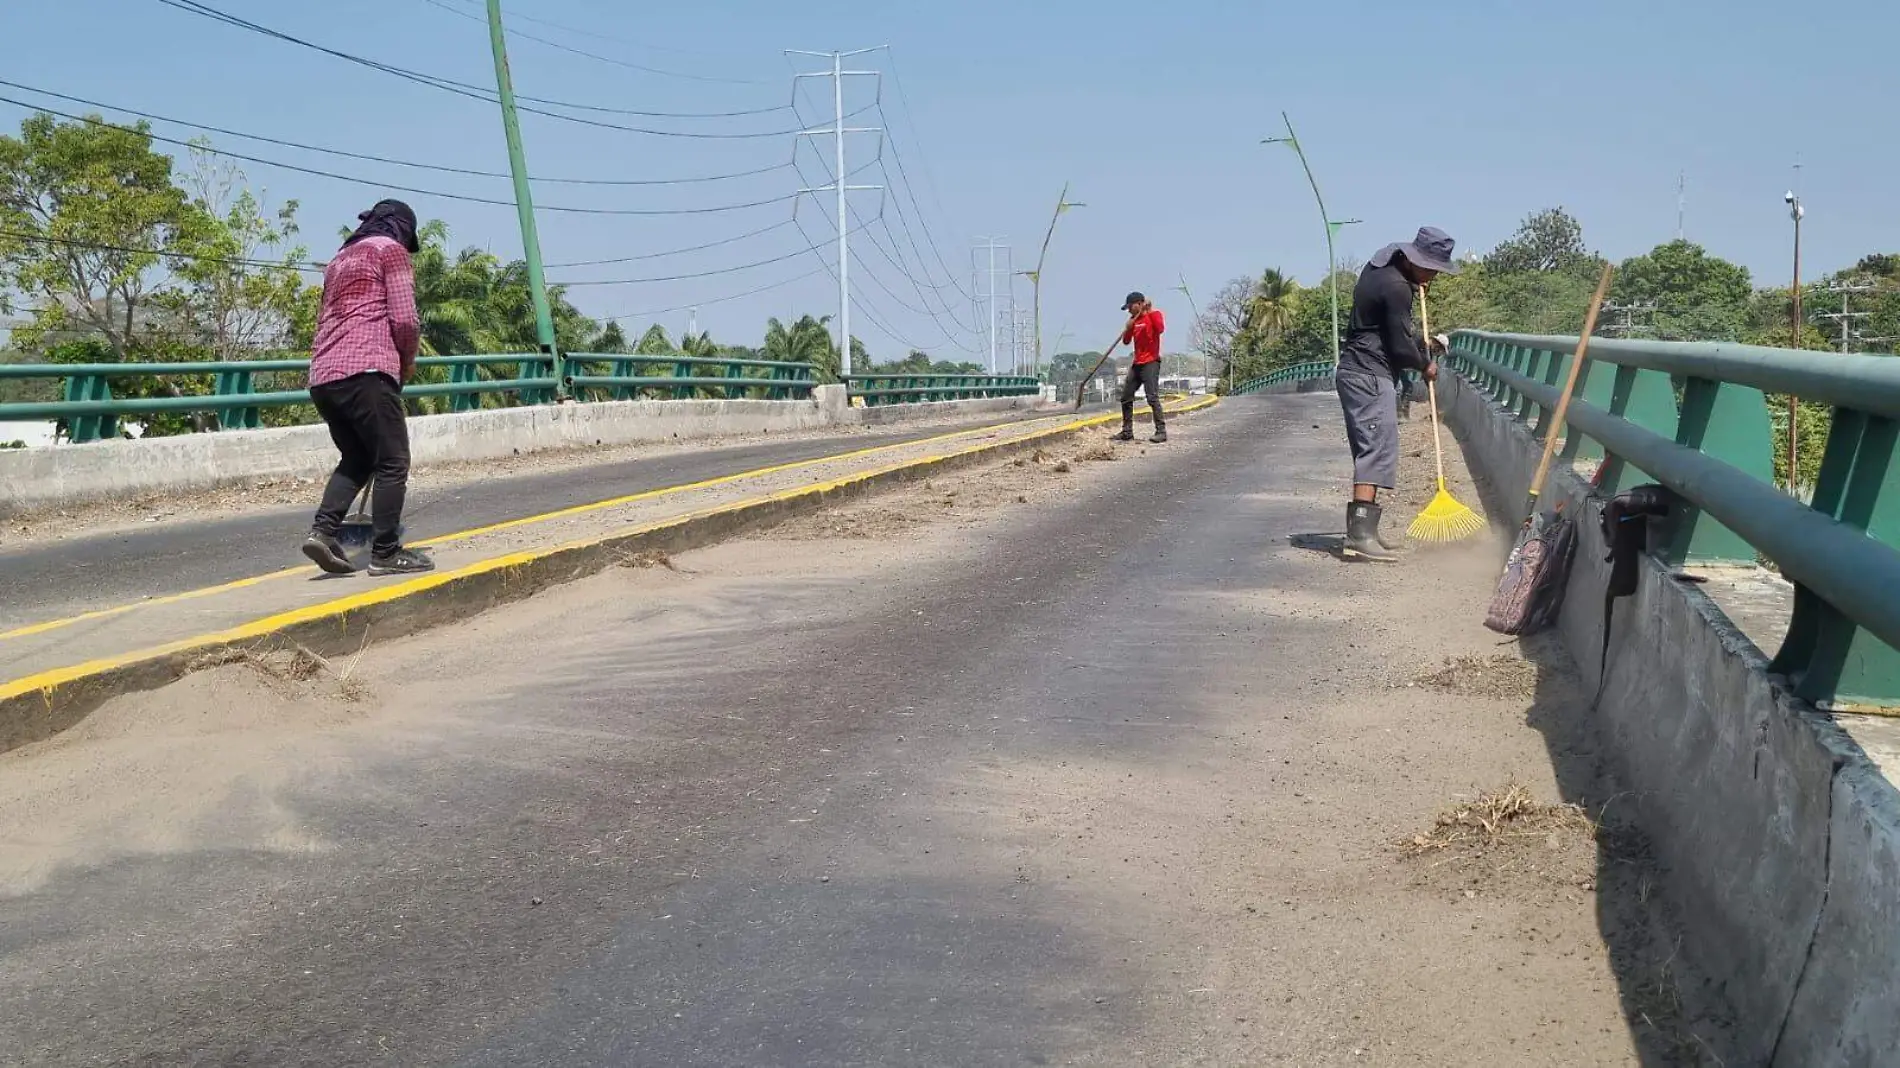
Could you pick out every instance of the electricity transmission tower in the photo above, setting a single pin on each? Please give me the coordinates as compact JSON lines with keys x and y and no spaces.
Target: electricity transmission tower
{"x":837,"y":131}
{"x":991,"y":247}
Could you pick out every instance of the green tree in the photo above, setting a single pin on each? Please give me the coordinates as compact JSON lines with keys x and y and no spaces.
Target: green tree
{"x":806,"y":341}
{"x":92,"y":229}
{"x":1697,"y":297}
{"x":246,"y":298}
{"x":1549,"y":241}
{"x":1275,"y":300}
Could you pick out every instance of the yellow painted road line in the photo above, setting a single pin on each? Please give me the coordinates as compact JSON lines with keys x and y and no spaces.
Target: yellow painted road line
{"x":46,"y":681}
{"x":118,"y":610}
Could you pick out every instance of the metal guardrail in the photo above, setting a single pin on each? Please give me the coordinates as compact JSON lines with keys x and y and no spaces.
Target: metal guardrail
{"x":92,"y":412}
{"x":876,"y":390}
{"x":1285,"y":376}
{"x":1714,"y":448}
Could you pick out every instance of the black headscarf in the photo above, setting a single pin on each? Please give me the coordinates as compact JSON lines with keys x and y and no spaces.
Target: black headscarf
{"x":389,"y":218}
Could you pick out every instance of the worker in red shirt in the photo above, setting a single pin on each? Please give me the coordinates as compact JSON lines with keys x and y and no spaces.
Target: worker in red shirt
{"x":1144,"y":328}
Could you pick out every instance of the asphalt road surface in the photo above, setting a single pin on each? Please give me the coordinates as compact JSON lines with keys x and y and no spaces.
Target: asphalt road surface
{"x":49,"y":579}
{"x":1086,"y":767}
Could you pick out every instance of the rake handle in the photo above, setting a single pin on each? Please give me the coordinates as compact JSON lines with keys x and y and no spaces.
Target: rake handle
{"x":1431,"y":389}
{"x":1563,"y":401}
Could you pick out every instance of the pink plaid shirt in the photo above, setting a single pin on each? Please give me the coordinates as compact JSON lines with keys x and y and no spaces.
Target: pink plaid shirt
{"x":369,"y":320}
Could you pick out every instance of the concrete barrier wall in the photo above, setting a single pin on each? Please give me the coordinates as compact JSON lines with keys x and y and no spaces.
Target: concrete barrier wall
{"x":1779,"y":837}
{"x":67,"y":475}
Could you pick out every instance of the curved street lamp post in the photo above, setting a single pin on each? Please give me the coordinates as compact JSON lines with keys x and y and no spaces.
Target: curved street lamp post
{"x":1332,"y":225}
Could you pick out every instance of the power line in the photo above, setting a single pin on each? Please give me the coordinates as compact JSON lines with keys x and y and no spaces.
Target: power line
{"x":862,"y":306}
{"x":317,"y":266}
{"x":699,"y":274}
{"x":720,"y":300}
{"x":300,"y":266}
{"x":595,"y":56}
{"x":599,"y":36}
{"x":385,"y":159}
{"x":882,"y":251}
{"x":903,"y":100}
{"x":449,"y":85}
{"x":377,"y":184}
{"x":677,"y":251}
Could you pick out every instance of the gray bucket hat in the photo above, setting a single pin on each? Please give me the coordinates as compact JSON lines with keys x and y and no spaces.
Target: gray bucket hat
{"x":1431,"y":250}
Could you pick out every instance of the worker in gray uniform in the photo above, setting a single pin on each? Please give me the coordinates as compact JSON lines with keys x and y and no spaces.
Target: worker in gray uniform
{"x":1381,"y":345}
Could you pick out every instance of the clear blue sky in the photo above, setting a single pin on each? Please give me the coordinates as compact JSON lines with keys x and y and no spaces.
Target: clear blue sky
{"x":1462,"y":115}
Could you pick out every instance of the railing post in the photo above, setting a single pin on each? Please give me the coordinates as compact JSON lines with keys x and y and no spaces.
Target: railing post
{"x":236,"y":383}
{"x":682,"y":370}
{"x":735,"y":392}
{"x":464,"y":374}
{"x":1596,"y":384}
{"x":1554,"y":365}
{"x":1831,"y":661}
{"x":1646,"y":398}
{"x":1730,"y":423}
{"x":1524,"y":361}
{"x":85,"y":428}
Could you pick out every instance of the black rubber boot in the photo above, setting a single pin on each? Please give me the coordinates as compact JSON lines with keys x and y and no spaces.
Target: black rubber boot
{"x":1161,"y":434}
{"x":1362,"y":535}
{"x":1128,"y":428}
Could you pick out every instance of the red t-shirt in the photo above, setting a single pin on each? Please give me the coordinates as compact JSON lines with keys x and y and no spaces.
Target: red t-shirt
{"x":1145,"y":332}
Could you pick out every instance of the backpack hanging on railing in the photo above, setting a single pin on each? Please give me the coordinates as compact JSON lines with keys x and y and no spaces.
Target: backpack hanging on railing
{"x":1531,"y":591}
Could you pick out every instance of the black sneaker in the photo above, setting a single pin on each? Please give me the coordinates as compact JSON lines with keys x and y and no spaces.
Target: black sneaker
{"x":1161,"y":436}
{"x":401,"y":562}
{"x":327,"y":553}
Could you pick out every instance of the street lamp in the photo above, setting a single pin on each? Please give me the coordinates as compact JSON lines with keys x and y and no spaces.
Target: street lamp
{"x":1332,"y":225}
{"x":1795,"y":211}
{"x":1194,"y":327}
{"x":1063,"y":203}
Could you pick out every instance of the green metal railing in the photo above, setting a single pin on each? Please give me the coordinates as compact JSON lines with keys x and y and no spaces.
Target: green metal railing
{"x":876,"y":390}
{"x":1694,"y":417}
{"x":92,"y":412}
{"x":1285,"y":376}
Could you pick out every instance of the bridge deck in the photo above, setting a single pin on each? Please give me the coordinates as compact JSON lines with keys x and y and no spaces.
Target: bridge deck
{"x":1032,"y":766}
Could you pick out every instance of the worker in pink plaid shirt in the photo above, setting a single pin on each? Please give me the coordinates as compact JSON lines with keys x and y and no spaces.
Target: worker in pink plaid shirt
{"x":368,"y":334}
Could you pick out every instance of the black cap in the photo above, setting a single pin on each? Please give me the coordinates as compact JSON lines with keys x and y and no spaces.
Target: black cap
{"x":1133,"y":299}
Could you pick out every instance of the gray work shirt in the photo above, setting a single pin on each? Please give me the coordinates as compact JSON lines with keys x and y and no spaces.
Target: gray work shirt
{"x":1381,"y":338}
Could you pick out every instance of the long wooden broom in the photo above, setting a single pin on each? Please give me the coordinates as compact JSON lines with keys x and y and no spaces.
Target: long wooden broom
{"x":1445,"y":518}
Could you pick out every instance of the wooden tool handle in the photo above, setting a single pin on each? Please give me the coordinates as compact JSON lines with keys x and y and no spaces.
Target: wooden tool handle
{"x":1082,"y":387}
{"x":1570,"y":386}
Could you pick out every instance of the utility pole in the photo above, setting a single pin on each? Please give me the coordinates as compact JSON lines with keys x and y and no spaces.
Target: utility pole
{"x":990,"y":246}
{"x":1332,"y":226}
{"x":1682,"y":186}
{"x":524,"y":204}
{"x":1194,"y":326}
{"x":838,"y":130}
{"x":1628,"y":325}
{"x":1846,"y":289}
{"x":1063,"y":203}
{"x":1795,"y":212}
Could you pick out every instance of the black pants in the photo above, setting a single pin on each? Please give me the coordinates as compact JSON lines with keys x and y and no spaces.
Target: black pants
{"x":1146,"y":378}
{"x":371,"y":430}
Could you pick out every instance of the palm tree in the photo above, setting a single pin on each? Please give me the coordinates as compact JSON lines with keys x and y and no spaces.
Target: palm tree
{"x":807,"y":341}
{"x":1270,"y":309}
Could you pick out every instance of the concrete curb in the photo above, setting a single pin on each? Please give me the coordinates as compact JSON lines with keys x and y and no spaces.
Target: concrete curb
{"x":32,"y":479}
{"x":40,"y":706}
{"x":1781,"y":837}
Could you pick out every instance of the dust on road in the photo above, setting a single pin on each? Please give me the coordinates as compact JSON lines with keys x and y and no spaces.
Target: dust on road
{"x":1090,"y":757}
